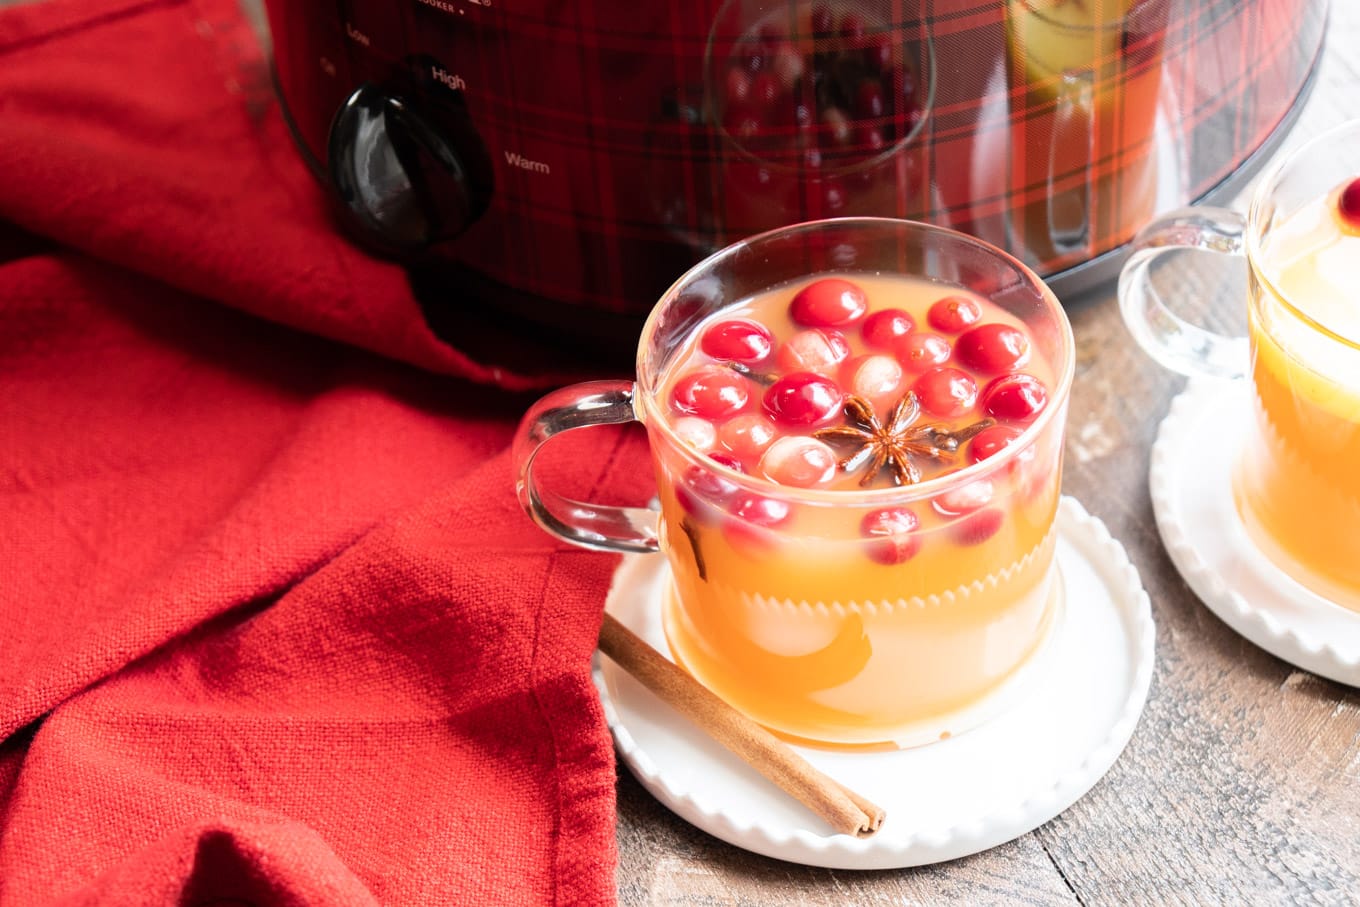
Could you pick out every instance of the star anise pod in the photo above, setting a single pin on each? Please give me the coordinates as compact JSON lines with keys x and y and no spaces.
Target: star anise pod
{"x":895,"y":442}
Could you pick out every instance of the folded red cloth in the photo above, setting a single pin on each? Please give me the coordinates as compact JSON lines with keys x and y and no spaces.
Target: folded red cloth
{"x":273,"y":628}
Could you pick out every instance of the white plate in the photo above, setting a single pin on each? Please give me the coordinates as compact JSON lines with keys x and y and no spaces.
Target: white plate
{"x":1191,"y":483}
{"x":944,"y":800}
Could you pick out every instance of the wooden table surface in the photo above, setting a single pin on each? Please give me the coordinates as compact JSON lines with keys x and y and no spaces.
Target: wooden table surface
{"x":1242,"y":781}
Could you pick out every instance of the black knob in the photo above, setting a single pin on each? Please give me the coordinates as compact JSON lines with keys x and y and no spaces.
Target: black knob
{"x":408,"y":174}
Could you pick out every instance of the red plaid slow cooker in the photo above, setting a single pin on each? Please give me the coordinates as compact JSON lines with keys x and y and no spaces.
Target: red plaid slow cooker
{"x":565,"y":160}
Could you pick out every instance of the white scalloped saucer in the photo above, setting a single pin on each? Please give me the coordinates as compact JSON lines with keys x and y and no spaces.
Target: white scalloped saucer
{"x":943,"y":800}
{"x":1191,"y":484}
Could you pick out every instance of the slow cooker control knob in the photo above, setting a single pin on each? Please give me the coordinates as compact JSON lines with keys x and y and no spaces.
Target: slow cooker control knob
{"x":407,"y":175}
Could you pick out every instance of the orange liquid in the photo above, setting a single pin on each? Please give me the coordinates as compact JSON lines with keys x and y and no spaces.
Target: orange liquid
{"x":1082,"y":165}
{"x":798,"y":628}
{"x":1298,"y":481}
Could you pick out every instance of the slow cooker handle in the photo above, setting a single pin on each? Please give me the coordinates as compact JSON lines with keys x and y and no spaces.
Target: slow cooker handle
{"x":401,"y":182}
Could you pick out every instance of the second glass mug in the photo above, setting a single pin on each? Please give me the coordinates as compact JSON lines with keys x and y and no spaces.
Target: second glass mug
{"x":788,"y":620}
{"x":1295,"y":482}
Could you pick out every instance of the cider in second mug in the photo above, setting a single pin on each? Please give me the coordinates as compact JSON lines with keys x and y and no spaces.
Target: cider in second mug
{"x":1296,"y":482}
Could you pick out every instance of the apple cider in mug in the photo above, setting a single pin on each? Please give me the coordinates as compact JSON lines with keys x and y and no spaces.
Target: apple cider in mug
{"x":1300,"y":472}
{"x":859,"y":624}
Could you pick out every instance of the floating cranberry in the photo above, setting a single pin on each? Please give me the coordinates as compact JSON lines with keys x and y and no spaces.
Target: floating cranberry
{"x":1016,"y":398}
{"x":703,"y":485}
{"x":754,"y":516}
{"x":803,"y":398}
{"x":990,"y":441}
{"x":737,"y":340}
{"x":764,"y":90}
{"x":885,"y":328}
{"x":799,"y":461}
{"x":747,"y":435}
{"x":751,"y":55}
{"x":945,"y":391}
{"x":829,"y":302}
{"x":869,"y":138}
{"x":836,"y":126}
{"x":992,"y":349}
{"x":697,"y":433}
{"x":869,"y":99}
{"x":814,"y":350}
{"x":878,"y":55}
{"x":712,"y":392}
{"x":875,"y":377}
{"x":737,"y":89}
{"x":892,"y":531}
{"x":788,"y":65}
{"x":953,"y":314}
{"x":918,"y":352}
{"x":1348,"y":205}
{"x":977,"y":528}
{"x":964,"y":499}
{"x":743,"y":123}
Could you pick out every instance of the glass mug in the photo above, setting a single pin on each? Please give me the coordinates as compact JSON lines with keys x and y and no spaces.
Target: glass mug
{"x":1296,"y":480}
{"x":788,"y":620}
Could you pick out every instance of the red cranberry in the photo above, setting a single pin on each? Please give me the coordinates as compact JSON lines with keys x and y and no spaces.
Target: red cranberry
{"x":788,"y":65}
{"x":953,"y":314}
{"x":829,"y":302}
{"x":738,"y":87}
{"x":892,"y":531}
{"x":737,"y":340}
{"x":760,"y":511}
{"x":836,"y":125}
{"x":869,"y":138}
{"x":878,"y":55}
{"x":798,"y":461}
{"x":754,"y":516}
{"x":869,"y":99}
{"x":814,"y":350}
{"x":1016,"y":398}
{"x":992,"y":349}
{"x":764,"y":90}
{"x":742,"y":123}
{"x":875,"y":377}
{"x":701,"y":488}
{"x":885,"y":328}
{"x":920,"y":351}
{"x":945,"y":392}
{"x":751,"y":56}
{"x":803,"y":398}
{"x":747,"y":435}
{"x":964,"y":499}
{"x":990,"y":441}
{"x":977,"y":528}
{"x":712,"y":392}
{"x":696,"y":432}
{"x":1349,"y":204}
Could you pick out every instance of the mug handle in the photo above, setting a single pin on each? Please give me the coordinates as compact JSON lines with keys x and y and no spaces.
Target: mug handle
{"x":1169,"y":339}
{"x":588,"y":525}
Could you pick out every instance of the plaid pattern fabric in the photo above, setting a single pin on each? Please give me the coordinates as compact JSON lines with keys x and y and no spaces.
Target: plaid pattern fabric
{"x":1052,"y":128}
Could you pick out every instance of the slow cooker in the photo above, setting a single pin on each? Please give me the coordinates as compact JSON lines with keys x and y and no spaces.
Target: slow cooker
{"x":563,"y":161}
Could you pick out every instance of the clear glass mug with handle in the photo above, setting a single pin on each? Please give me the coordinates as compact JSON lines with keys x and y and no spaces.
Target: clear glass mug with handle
{"x":778,"y":600}
{"x":1295,"y":481}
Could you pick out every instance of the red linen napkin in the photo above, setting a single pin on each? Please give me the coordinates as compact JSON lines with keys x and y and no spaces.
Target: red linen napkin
{"x":273,"y":629}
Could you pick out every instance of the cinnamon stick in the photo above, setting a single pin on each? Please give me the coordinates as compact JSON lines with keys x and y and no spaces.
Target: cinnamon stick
{"x":843,"y":809}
